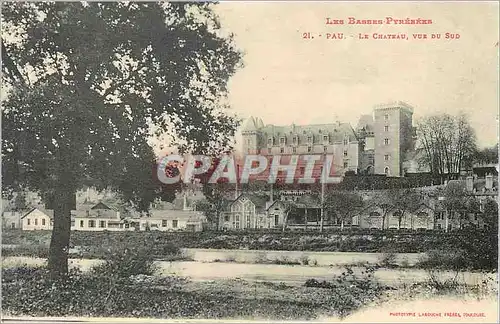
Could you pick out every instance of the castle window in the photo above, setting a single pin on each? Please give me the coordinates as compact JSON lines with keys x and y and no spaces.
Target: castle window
{"x":294,"y":140}
{"x":282,"y":150}
{"x":386,"y":171}
{"x":282,"y":140}
{"x":345,"y":152}
{"x":309,"y":139}
{"x":325,"y":138}
{"x":309,"y":149}
{"x":386,"y":157}
{"x":346,"y":141}
{"x":319,"y":131}
{"x":346,"y":165}
{"x":386,"y":117}
{"x":294,"y":149}
{"x":386,"y":128}
{"x":386,"y":141}
{"x":325,"y":148}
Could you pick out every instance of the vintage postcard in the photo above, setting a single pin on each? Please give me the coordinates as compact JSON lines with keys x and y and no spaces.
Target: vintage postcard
{"x":250,"y":161}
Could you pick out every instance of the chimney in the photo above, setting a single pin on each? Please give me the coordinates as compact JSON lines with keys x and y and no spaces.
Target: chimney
{"x":469,"y":183}
{"x":489,"y":182}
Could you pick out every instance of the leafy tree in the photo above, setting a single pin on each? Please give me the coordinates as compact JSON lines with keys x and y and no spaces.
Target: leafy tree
{"x":344,"y":205}
{"x":385,"y":203}
{"x":405,"y":200}
{"x":487,"y":155}
{"x":458,"y":202}
{"x":490,"y":214}
{"x":96,"y":81}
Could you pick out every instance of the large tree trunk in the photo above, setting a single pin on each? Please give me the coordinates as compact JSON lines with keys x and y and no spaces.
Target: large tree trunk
{"x":59,"y":243}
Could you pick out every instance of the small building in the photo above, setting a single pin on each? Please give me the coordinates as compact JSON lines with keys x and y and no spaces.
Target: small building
{"x":245,"y":212}
{"x":172,"y":220}
{"x":12,"y":219}
{"x":98,"y":217}
{"x":37,"y":218}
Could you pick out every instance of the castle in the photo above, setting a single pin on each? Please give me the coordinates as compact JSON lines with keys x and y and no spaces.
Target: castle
{"x":380,"y":143}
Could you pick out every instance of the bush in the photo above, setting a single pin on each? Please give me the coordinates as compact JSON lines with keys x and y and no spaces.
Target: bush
{"x":443,"y":259}
{"x":127,"y":263}
{"x":350,"y":291}
{"x":388,"y":260}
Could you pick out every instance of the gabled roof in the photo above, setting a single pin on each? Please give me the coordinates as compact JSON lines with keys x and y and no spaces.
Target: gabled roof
{"x":100,"y":205}
{"x":258,"y":200}
{"x":48,"y":212}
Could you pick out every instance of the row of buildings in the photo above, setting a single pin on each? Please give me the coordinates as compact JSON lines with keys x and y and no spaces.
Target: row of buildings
{"x":101,"y":217}
{"x":249,"y":210}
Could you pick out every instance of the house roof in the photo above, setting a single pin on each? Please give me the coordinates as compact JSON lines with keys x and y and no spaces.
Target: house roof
{"x":48,"y":212}
{"x":307,"y":201}
{"x":98,"y":214}
{"x":258,"y":200}
{"x":185,"y":215}
{"x":336,"y":131}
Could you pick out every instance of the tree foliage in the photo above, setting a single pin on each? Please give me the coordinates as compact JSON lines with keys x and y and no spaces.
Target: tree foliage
{"x":447,"y":144}
{"x":343,"y":204}
{"x":98,"y":81}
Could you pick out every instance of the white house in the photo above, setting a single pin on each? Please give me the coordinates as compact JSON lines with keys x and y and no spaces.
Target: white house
{"x":12,"y":219}
{"x":172,"y":220}
{"x":37,"y":219}
{"x":98,"y":217}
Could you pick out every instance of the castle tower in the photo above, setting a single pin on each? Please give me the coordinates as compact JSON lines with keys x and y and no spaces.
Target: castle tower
{"x":251,"y":135}
{"x":393,"y":132}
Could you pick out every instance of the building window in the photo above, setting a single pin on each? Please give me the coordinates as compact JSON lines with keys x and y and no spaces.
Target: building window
{"x":282,"y":140}
{"x":81,"y":223}
{"x":386,"y":141}
{"x":270,"y":141}
{"x":309,"y":139}
{"x":309,"y":149}
{"x":294,"y":140}
{"x":386,"y":117}
{"x":386,"y":128}
{"x":175,"y":223}
{"x":276,"y":220}
{"x":325,"y":138}
{"x":302,"y":170}
{"x":72,"y":223}
{"x":386,"y":157}
{"x":346,"y":165}
{"x":36,"y":221}
{"x":386,"y":170}
{"x":43,"y":222}
{"x":282,"y":150}
{"x":164,"y":223}
{"x":102,"y":224}
{"x":294,"y":149}
{"x":325,"y":148}
{"x":345,"y":152}
{"x":269,"y":151}
{"x":29,"y":221}
{"x":346,"y":141}
{"x":91,"y":223}
{"x":12,"y":225}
